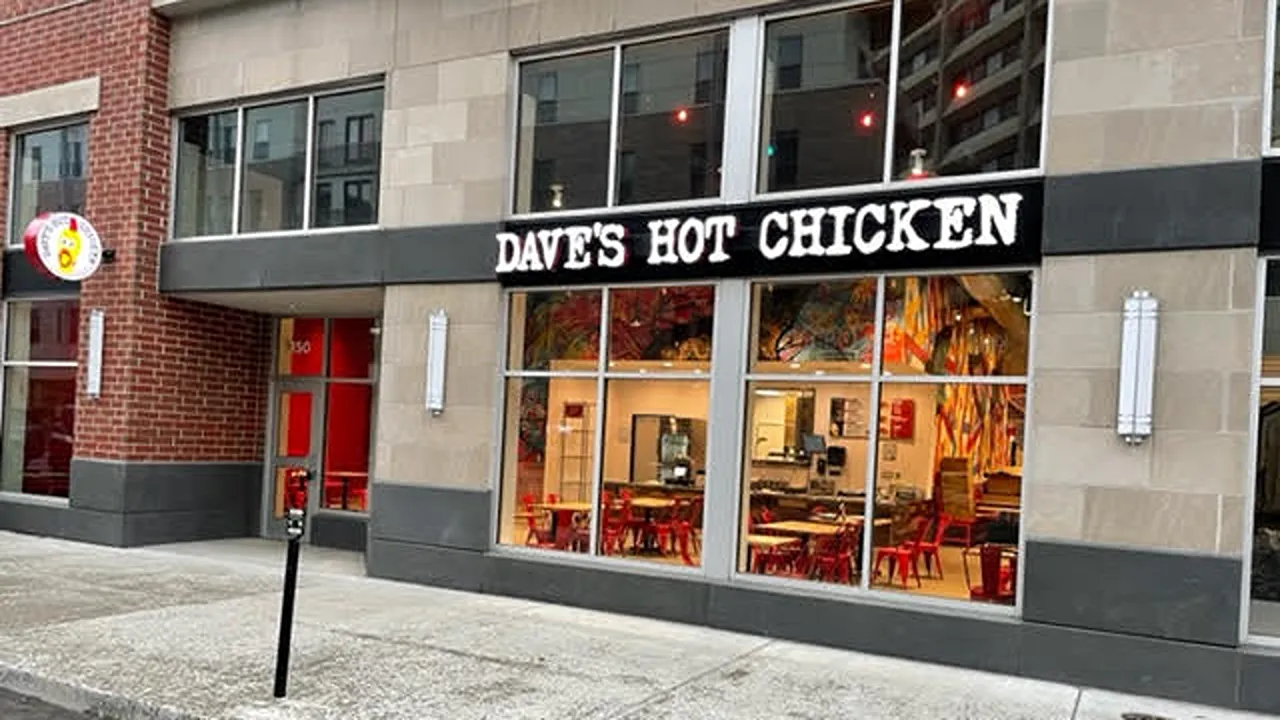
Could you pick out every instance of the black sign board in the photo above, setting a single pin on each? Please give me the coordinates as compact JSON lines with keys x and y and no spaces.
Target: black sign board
{"x":994,"y":224}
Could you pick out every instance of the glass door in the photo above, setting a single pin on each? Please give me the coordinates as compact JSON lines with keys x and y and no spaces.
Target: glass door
{"x":297,"y":440}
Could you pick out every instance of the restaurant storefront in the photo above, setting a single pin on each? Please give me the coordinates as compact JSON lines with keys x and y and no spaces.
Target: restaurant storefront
{"x":722,"y":393}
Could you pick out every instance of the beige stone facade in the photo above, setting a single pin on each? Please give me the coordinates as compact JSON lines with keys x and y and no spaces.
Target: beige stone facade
{"x":1133,"y":83}
{"x":1183,"y":488}
{"x":1139,"y":83}
{"x":456,"y":448}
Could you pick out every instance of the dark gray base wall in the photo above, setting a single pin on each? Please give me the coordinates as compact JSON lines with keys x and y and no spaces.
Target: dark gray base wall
{"x":340,"y":531}
{"x":1084,"y":624}
{"x":127,"y":504}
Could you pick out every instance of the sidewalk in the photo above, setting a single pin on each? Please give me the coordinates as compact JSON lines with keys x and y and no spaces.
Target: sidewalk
{"x":188,"y":631}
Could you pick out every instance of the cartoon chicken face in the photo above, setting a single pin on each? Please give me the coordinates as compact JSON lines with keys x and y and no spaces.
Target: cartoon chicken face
{"x":69,"y":244}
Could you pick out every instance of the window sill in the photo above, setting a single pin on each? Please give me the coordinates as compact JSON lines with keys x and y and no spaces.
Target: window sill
{"x":8,"y":496}
{"x":279,"y":234}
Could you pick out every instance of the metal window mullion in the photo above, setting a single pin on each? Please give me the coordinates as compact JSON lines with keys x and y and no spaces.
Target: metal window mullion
{"x":308,"y":174}
{"x":873,"y":439}
{"x":615,"y":119}
{"x":740,"y":146}
{"x":597,"y":441}
{"x":891,"y":100}
{"x":1028,"y":410}
{"x":724,"y":486}
{"x":237,"y":183}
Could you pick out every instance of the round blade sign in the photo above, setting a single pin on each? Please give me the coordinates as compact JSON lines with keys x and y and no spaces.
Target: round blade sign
{"x":63,"y":245}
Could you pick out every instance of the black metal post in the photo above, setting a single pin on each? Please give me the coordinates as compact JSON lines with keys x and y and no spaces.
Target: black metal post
{"x":286,"y":616}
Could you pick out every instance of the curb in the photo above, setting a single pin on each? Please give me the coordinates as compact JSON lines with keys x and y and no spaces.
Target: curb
{"x":92,"y":702}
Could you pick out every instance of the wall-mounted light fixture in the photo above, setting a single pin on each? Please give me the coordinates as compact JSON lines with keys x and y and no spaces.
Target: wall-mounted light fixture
{"x":1137,"y":366}
{"x":437,"y":343}
{"x":93,"y":374}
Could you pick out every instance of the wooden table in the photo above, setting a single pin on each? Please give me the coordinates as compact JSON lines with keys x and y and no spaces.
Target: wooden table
{"x":562,"y":508}
{"x":652,"y":503}
{"x":801,"y":527}
{"x":766,"y":541}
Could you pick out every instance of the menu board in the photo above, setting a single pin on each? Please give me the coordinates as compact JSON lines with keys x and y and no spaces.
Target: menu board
{"x":898,"y":419}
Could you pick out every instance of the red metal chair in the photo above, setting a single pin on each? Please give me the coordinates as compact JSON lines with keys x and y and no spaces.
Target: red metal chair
{"x":931,"y":550}
{"x":904,"y":557}
{"x":834,"y":558}
{"x":537,"y":536}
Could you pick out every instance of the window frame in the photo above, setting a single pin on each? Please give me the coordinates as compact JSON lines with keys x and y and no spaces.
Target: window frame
{"x":242,"y":134}
{"x":729,"y":378}
{"x":1257,"y":381}
{"x":13,"y":240}
{"x":6,"y":307}
{"x":741,"y":155}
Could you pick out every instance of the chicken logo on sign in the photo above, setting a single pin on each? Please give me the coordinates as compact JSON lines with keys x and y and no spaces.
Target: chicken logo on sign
{"x":63,"y":245}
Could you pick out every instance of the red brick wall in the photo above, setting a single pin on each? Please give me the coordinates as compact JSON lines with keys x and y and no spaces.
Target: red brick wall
{"x":181,"y":380}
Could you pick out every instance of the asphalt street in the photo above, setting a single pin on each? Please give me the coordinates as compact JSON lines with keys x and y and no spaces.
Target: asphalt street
{"x":20,"y":707}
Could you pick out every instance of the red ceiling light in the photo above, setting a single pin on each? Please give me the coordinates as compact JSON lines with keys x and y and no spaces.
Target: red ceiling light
{"x":682,"y":116}
{"x":962,"y":90}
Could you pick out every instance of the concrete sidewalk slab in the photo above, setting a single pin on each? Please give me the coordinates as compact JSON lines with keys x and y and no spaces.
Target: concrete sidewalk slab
{"x":189,"y":632}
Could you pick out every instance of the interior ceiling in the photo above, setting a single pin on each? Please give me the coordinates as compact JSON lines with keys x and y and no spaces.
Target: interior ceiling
{"x":330,"y":302}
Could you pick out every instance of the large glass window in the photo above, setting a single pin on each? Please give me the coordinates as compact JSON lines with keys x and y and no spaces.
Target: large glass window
{"x":1264,"y":586}
{"x":41,"y":347}
{"x":970,"y":87}
{"x":251,"y":170}
{"x":826,"y":108}
{"x":51,"y":167}
{"x":670,"y":118}
{"x":206,"y":174}
{"x":826,"y":95}
{"x":889,"y":470}
{"x":621,"y":445}
{"x":275,"y":172}
{"x":676,"y":120}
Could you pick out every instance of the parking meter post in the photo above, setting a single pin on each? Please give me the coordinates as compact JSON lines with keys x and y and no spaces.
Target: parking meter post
{"x":295,"y":525}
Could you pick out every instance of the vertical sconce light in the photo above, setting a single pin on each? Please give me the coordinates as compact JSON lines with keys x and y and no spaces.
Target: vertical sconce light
{"x":1137,"y":366}
{"x":93,"y":375}
{"x":437,"y":342}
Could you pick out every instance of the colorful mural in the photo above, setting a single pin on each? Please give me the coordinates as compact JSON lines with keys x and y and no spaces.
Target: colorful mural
{"x":668,"y":323}
{"x":980,"y":423}
{"x":560,"y":326}
{"x":934,"y":326}
{"x":817,"y":322}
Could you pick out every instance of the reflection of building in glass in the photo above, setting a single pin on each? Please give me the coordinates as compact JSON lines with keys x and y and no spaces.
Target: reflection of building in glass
{"x":671,"y":102}
{"x":348,"y":145}
{"x":51,"y":174}
{"x":969,"y":86}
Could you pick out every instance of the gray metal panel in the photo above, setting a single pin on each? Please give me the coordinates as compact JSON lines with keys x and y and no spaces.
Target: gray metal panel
{"x":340,"y":531}
{"x":61,"y":522}
{"x":21,"y":279}
{"x":436,"y":566}
{"x":432,"y":254}
{"x":155,"y":528}
{"x":1259,"y":668}
{"x":1130,"y":664}
{"x":445,"y":517}
{"x":984,"y":643}
{"x":1167,"y":208}
{"x":1125,"y":663}
{"x":1138,"y":592}
{"x":665,"y":598}
{"x":131,"y":487}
